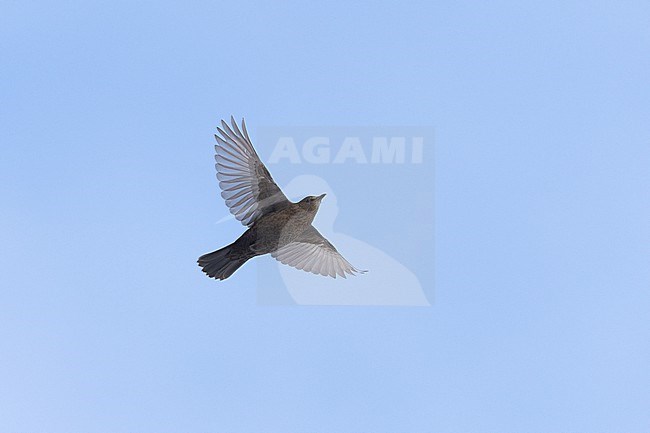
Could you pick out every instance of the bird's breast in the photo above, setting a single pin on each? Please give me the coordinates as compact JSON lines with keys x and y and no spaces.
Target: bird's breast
{"x":274,"y":230}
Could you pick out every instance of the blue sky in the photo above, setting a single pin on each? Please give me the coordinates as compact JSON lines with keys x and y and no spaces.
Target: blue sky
{"x":540,"y":317}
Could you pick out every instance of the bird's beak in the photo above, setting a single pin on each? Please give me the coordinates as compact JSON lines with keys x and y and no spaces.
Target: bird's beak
{"x":320,"y":197}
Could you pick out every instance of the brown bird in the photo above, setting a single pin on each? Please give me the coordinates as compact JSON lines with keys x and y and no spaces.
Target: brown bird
{"x":276,"y":225}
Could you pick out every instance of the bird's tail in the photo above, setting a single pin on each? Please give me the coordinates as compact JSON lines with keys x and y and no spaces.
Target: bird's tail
{"x":221,"y":264}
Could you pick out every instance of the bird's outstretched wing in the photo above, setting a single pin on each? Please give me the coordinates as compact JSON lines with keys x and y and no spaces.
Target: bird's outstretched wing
{"x":311,"y":252}
{"x":246,"y":184}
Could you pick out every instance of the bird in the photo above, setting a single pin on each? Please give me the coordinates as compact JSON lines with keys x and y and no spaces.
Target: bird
{"x":275,"y":225}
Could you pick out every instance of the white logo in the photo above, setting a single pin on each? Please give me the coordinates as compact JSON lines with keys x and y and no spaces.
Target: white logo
{"x":321,"y":150}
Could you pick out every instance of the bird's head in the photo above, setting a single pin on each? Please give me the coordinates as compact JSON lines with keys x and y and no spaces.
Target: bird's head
{"x":311,"y":202}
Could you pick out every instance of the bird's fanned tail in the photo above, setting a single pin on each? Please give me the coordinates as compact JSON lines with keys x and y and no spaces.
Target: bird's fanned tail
{"x":220,"y":264}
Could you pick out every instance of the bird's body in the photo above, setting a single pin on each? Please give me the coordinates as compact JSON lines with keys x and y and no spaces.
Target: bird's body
{"x":277,"y":229}
{"x":276,"y":225}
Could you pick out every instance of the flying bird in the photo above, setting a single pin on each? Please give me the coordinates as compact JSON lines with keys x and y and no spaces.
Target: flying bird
{"x":276,"y":225}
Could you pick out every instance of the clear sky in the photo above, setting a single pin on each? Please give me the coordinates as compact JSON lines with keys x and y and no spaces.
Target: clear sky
{"x":539,"y":321}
